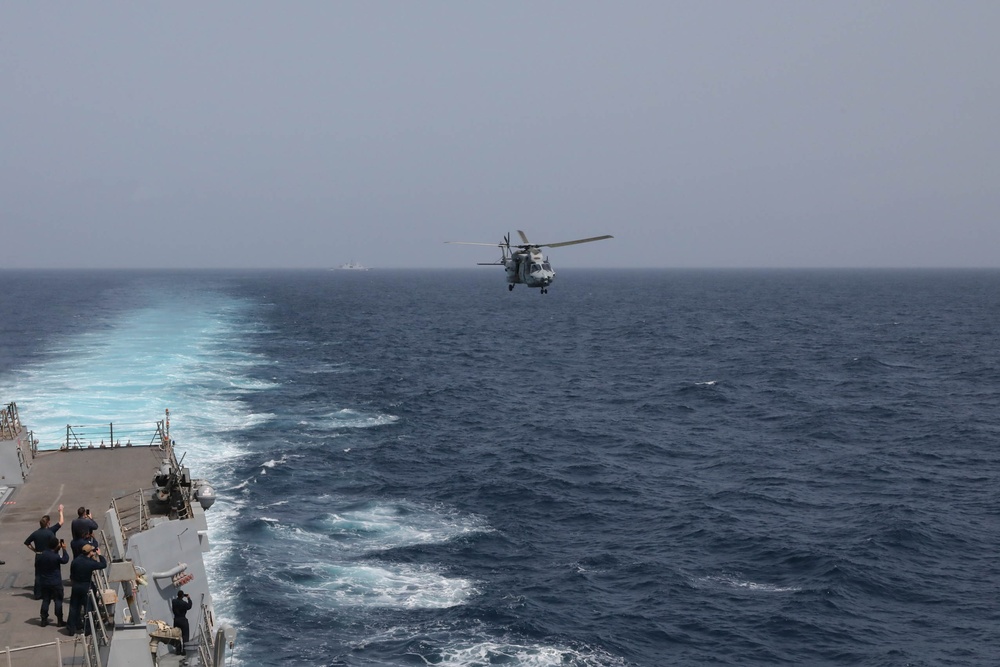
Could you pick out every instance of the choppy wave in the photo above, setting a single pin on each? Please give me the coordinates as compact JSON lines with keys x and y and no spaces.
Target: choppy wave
{"x":736,"y":582}
{"x":490,"y":653}
{"x":351,"y":418}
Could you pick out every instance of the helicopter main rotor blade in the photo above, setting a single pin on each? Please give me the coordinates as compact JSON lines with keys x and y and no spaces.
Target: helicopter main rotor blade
{"x":492,"y":245}
{"x":524,"y":238}
{"x":562,"y":243}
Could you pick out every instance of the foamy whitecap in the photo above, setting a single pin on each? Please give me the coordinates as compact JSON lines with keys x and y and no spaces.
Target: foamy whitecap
{"x":382,"y":526}
{"x":272,"y":463}
{"x":349,"y":418}
{"x":397,"y":585}
{"x":489,"y":653}
{"x":737,"y":583}
{"x":334,"y":554}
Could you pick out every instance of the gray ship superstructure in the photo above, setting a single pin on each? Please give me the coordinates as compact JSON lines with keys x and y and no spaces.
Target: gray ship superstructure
{"x":153,"y":531}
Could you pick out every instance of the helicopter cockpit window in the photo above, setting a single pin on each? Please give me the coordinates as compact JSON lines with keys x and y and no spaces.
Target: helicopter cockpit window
{"x":546,"y":265}
{"x":535,"y":267}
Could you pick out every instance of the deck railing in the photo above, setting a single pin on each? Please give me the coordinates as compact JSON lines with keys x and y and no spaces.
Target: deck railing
{"x":55,"y":653}
{"x":90,"y":436}
{"x":206,"y":637}
{"x":10,"y":424}
{"x":132,"y":512}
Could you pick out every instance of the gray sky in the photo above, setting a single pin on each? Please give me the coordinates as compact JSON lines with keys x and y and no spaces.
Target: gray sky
{"x":305,"y":134}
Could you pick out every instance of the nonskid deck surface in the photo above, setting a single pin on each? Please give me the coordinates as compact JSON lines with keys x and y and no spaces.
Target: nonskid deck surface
{"x":74,"y":478}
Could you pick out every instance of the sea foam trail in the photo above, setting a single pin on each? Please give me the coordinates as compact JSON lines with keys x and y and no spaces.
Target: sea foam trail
{"x":178,"y":355}
{"x":338,"y":556}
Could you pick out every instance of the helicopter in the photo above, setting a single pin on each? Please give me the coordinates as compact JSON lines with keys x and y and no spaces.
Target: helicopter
{"x":524,"y":262}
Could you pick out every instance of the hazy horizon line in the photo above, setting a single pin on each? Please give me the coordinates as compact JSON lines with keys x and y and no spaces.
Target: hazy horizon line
{"x":175,"y":269}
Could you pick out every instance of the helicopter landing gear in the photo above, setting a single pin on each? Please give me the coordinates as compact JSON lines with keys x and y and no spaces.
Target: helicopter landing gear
{"x":510,"y":287}
{"x":544,"y":291}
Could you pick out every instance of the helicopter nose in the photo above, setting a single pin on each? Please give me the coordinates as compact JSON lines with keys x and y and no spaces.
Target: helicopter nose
{"x":542,"y":278}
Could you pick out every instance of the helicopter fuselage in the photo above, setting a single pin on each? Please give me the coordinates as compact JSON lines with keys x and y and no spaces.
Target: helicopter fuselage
{"x":529,"y":269}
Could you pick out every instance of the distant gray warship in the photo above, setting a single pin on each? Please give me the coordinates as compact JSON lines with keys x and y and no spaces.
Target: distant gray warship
{"x":352,"y":266}
{"x":152,"y":530}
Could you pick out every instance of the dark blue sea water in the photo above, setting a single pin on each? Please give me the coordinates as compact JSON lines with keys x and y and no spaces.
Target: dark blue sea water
{"x":638,"y":468}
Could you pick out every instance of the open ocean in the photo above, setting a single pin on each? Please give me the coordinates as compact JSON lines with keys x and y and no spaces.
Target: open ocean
{"x":640,"y":468}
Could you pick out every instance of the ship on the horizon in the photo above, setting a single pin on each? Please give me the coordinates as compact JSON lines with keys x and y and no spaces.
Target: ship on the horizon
{"x":352,"y":266}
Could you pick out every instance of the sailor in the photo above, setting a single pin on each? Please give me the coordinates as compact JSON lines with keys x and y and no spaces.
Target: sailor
{"x":80,"y":570}
{"x":48,"y":572}
{"x":76,"y":546}
{"x":39,"y":540}
{"x":82,"y":523}
{"x":180,"y":606}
